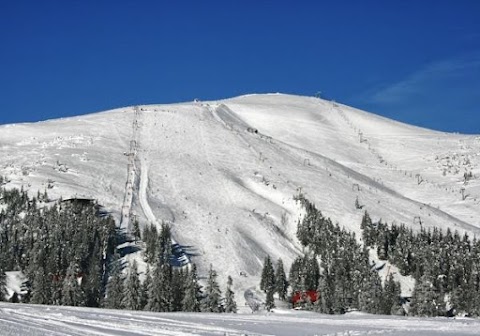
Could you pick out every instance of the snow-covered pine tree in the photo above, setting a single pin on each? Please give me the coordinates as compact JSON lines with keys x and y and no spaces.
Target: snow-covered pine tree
{"x":269,"y":300}
{"x":178,"y":288}
{"x":367,"y":230}
{"x":132,"y":293}
{"x":160,"y":296}
{"x":294,"y":276}
{"x":474,"y":281}
{"x":193,"y":294}
{"x":267,"y":283}
{"x":325,"y":293}
{"x":339,"y":300}
{"x":370,"y":298}
{"x":136,"y":231}
{"x":3,"y":283}
{"x":425,"y":300}
{"x":402,"y":254}
{"x":155,"y":292}
{"x":115,"y":286}
{"x":230,"y":304}
{"x":72,"y":292}
{"x":268,"y":275}
{"x":391,"y":298}
{"x":151,"y":238}
{"x":213,"y":295}
{"x":145,"y":287}
{"x":311,"y":273}
{"x":460,"y":299}
{"x":94,"y":277}
{"x":41,"y":288}
{"x":382,"y":242}
{"x":281,"y":283}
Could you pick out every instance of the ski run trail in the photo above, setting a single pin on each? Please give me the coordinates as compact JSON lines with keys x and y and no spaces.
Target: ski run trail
{"x":181,"y":257}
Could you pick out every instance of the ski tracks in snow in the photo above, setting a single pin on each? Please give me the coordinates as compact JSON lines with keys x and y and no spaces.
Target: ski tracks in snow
{"x":39,"y":320}
{"x":143,"y":168}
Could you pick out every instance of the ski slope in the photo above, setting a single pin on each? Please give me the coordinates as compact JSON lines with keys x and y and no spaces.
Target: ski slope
{"x":36,"y":320}
{"x":224,"y":173}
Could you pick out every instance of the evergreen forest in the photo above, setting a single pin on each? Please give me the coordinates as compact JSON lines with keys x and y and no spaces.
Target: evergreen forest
{"x":68,"y":252}
{"x":445,"y":266}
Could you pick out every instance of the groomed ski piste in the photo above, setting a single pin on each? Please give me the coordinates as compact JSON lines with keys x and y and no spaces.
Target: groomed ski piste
{"x":36,"y":320}
{"x":224,"y":174}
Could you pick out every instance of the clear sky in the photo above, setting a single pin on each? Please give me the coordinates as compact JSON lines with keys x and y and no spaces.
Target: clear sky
{"x":414,"y":61}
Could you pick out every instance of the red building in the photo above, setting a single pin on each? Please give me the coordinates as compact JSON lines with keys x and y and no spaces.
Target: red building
{"x":301,"y":297}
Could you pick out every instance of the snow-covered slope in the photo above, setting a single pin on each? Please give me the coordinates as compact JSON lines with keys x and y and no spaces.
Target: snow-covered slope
{"x":224,"y":173}
{"x":36,"y":320}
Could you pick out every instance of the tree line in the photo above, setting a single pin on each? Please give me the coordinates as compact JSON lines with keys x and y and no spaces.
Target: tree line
{"x":445,"y":265}
{"x":68,"y":254}
{"x":344,"y":279}
{"x":166,"y":288}
{"x":55,"y":244}
{"x":335,"y":264}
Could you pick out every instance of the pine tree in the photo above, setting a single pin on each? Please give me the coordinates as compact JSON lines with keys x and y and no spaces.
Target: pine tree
{"x":367,"y":230}
{"x":370,"y":299}
{"x":474,"y":280}
{"x":3,"y":284}
{"x":391,"y":298}
{"x":281,"y":283}
{"x":132,"y":293}
{"x":136,"y":230}
{"x":311,"y":273}
{"x":325,"y":294}
{"x":212,"y":300}
{"x":268,"y":275}
{"x":144,"y":288}
{"x":267,"y":283}
{"x":382,"y":244}
{"x":193,"y":294}
{"x":160,"y":296}
{"x":269,"y":300}
{"x":230,"y":304}
{"x":115,"y":286}
{"x":294,"y":277}
{"x":425,"y":299}
{"x":94,"y":278}
{"x":41,"y":288}
{"x":339,"y":303}
{"x":178,"y":289}
{"x":54,"y":290}
{"x":151,"y":238}
{"x":460,"y":299}
{"x":72,"y":292}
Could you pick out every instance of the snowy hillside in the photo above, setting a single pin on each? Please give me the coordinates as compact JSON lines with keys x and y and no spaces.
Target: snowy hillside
{"x":224,"y":173}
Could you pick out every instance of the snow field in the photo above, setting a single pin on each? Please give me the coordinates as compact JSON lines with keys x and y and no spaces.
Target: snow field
{"x":37,"y":320}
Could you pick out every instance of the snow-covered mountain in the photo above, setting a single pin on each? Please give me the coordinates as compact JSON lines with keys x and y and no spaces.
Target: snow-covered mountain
{"x":224,"y":173}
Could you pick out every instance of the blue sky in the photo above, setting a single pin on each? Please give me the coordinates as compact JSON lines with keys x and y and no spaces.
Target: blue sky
{"x":414,"y":61}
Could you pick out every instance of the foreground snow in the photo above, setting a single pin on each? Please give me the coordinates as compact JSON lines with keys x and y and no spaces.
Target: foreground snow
{"x":19,"y":319}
